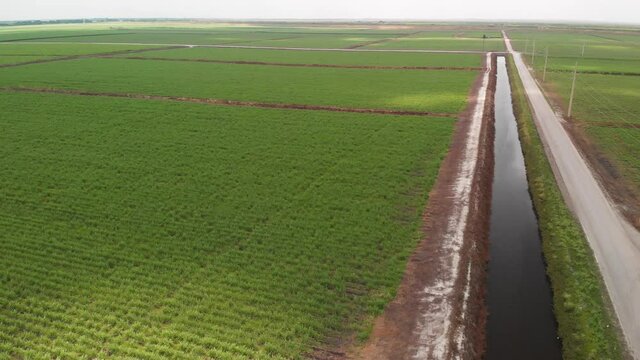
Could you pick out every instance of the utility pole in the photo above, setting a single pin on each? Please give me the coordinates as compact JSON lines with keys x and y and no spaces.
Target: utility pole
{"x":584,"y":44}
{"x":546,"y":60}
{"x":533,"y":55}
{"x":573,"y":89}
{"x":526,"y":48}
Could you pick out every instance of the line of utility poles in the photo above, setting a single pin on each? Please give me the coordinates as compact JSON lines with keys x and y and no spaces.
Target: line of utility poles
{"x":546,"y":61}
{"x":533,"y":54}
{"x":544,"y":70}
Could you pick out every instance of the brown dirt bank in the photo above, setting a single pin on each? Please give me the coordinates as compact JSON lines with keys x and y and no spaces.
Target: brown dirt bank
{"x":395,"y":334}
{"x":230,"y":102}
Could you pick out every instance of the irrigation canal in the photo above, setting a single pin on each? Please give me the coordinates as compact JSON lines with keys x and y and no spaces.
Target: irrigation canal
{"x":521,"y":324}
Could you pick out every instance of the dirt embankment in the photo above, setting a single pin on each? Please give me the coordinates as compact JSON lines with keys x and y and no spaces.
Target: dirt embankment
{"x":230,"y":102}
{"x":439,"y":311}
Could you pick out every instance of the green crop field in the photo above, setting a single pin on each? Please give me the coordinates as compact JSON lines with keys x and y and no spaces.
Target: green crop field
{"x":142,"y":228}
{"x":29,"y":49}
{"x":437,"y":91}
{"x":443,"y":40}
{"x":607,"y":100}
{"x":156,"y":228}
{"x":322,"y":57}
{"x":4,"y":60}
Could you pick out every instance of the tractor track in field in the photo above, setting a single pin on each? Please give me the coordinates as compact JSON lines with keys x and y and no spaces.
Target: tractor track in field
{"x":86,"y":56}
{"x":439,"y":311}
{"x":336,"y":66}
{"x":225,"y":102}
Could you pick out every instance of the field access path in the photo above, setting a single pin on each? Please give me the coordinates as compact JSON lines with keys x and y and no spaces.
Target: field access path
{"x":615,"y":243}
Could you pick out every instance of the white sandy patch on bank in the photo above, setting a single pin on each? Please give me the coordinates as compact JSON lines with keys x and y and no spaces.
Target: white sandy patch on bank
{"x":436,"y":324}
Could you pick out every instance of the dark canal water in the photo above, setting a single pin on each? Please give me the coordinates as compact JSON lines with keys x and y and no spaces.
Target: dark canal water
{"x":521,"y":323}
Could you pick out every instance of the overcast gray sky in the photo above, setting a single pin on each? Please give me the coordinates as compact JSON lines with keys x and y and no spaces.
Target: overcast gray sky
{"x":575,"y":10}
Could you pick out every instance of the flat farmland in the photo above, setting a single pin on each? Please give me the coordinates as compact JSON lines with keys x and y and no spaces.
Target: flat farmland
{"x":168,"y":229}
{"x":445,"y":40}
{"x":321,"y":57}
{"x":138,"y":223}
{"x":5,"y":60}
{"x":28,"y":49}
{"x":320,"y":41}
{"x":416,"y":90}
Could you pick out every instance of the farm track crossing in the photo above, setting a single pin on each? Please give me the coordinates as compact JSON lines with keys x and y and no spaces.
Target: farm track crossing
{"x":232,"y":102}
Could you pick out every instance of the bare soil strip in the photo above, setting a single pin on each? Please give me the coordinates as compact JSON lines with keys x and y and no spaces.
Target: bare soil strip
{"x":74,"y":57}
{"x":439,"y":311}
{"x":369,"y":67}
{"x":231,"y":102}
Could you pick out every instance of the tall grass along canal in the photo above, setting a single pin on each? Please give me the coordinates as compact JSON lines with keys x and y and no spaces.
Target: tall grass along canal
{"x":521,"y":324}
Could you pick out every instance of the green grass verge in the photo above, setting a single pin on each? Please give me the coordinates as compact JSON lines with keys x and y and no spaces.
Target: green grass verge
{"x":585,"y":324}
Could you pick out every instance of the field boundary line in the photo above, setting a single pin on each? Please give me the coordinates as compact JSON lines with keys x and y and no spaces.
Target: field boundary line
{"x":225,"y":102}
{"x":337,"y":66}
{"x":379,"y":41}
{"x":595,"y":72}
{"x":255,"y":47}
{"x":86,"y":56}
{"x":62,"y":37}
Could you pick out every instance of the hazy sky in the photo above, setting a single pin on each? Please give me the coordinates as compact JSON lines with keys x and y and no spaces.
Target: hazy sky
{"x":574,"y":10}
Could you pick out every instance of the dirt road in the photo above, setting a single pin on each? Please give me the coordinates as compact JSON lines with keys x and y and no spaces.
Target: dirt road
{"x":615,"y":243}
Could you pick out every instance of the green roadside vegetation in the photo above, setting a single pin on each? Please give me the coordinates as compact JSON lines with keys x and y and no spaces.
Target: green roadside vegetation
{"x":586,"y":323}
